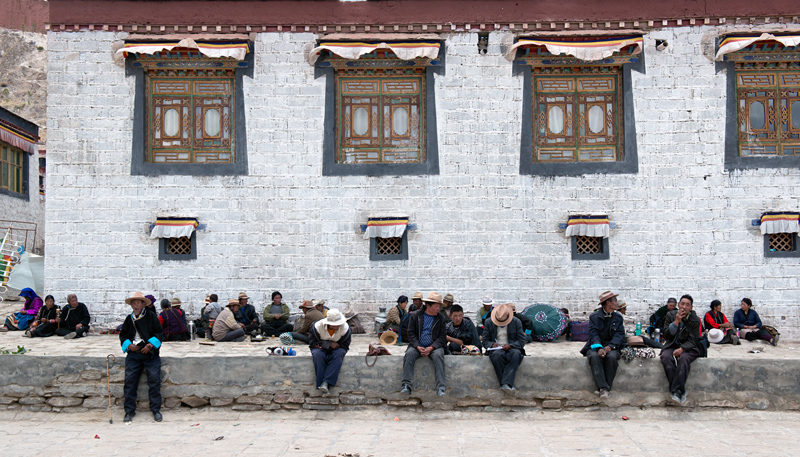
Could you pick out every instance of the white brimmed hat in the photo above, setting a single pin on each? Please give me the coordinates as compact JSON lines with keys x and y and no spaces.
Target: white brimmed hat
{"x":715,"y":335}
{"x":334,"y":317}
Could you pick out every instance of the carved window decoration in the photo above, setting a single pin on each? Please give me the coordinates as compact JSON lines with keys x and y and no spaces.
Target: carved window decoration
{"x":11,"y":169}
{"x":588,"y":244}
{"x":190,"y":109}
{"x":781,"y":242}
{"x":380,"y":115}
{"x":578,"y":118}
{"x":179,"y":246}
{"x":389,"y":246}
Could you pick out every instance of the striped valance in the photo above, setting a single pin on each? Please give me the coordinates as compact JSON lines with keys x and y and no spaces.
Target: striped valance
{"x":18,"y":139}
{"x":588,"y":226}
{"x":733,"y":43}
{"x":173,"y":227}
{"x":235,"y":49}
{"x":780,"y":222}
{"x":588,"y":50}
{"x":386,"y":227}
{"x":404,"y":50}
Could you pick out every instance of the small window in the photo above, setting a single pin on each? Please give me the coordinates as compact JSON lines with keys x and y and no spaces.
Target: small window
{"x":389,"y":248}
{"x":589,"y":248}
{"x":179,"y":248}
{"x":781,"y":245}
{"x":12,"y":169}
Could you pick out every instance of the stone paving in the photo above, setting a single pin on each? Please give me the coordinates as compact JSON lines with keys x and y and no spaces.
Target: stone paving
{"x":652,"y":432}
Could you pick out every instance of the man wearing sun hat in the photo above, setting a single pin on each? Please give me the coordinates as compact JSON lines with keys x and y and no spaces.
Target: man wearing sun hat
{"x":141,"y":336}
{"x":416,"y":302}
{"x":329,"y":340}
{"x":606,"y":338}
{"x":226,"y":328}
{"x":504,"y":341}
{"x":247,"y":315}
{"x":483,"y":313}
{"x":427,"y":337}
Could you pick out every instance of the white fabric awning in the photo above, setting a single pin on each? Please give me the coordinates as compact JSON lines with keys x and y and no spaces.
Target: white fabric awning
{"x":735,"y":43}
{"x":16,"y":138}
{"x":780,"y":223}
{"x":173,"y":227}
{"x":590,"y":50}
{"x":588,"y":226}
{"x":386,"y":227}
{"x":404,"y":50}
{"x":234,"y":48}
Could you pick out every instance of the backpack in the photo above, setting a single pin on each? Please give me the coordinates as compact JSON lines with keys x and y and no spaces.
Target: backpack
{"x":579,"y":331}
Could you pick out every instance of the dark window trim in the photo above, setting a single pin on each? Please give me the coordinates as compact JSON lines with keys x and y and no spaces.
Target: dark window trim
{"x":140,"y":167}
{"x":430,"y":167}
{"x":603,"y":255}
{"x":373,"y":250}
{"x":163,"y":244}
{"x":781,"y":254}
{"x":25,"y":194}
{"x":630,"y":164}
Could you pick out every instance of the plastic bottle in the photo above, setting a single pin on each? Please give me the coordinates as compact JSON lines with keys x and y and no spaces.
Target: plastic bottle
{"x":658,"y":335}
{"x":638,"y":328}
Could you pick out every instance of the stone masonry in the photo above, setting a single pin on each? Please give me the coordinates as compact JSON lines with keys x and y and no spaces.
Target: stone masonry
{"x":682,"y":222}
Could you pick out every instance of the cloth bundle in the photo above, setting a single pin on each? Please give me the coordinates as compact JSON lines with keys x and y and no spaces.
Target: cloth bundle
{"x":628,"y":353}
{"x":470,"y":350}
{"x":281,"y":350}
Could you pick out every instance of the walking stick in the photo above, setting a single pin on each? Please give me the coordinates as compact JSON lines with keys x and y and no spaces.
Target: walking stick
{"x":108,"y":383}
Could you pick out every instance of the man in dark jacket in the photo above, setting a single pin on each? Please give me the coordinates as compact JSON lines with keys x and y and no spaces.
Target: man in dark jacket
{"x":527,"y":324}
{"x":460,"y":331}
{"x":141,"y":336}
{"x":504,"y":341}
{"x":73,"y":322}
{"x":427,"y":337}
{"x":247,"y":315}
{"x":682,"y":346}
{"x":606,"y":338}
{"x":657,"y":318}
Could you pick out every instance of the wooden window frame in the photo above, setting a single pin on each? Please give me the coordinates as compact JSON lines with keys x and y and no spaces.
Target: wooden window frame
{"x":795,"y":252}
{"x":604,"y":253}
{"x":373,"y":250}
{"x":163,"y":249}
{"x":13,"y":171}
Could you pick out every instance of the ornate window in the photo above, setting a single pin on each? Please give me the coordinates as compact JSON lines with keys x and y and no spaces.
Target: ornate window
{"x":12,"y":177}
{"x":779,"y":230}
{"x":577,"y":113}
{"x":589,"y":237}
{"x":763,"y":128}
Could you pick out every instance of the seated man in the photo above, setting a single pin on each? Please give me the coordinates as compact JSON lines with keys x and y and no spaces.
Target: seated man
{"x":427,"y":337}
{"x":225,"y":327}
{"x":682,"y":346}
{"x":460,"y":331}
{"x":527,"y":323}
{"x":312,"y":315}
{"x":416,"y":302}
{"x":276,"y":317}
{"x":208,"y":314}
{"x":329,"y":340}
{"x":657,"y":318}
{"x":504,"y":341}
{"x":487,"y":304}
{"x":606,"y":338}
{"x":447,"y":303}
{"x":247,"y":315}
{"x":73,"y":322}
{"x":141,"y":339}
{"x":45,"y":324}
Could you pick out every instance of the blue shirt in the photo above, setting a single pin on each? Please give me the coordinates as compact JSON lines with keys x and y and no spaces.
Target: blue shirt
{"x":425,"y":338}
{"x":740,"y":319}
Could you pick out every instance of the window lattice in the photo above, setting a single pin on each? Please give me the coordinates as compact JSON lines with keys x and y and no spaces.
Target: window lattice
{"x":11,"y":166}
{"x":781,"y":242}
{"x":588,"y":244}
{"x":768,"y":113}
{"x":389,"y":246}
{"x":182,"y":245}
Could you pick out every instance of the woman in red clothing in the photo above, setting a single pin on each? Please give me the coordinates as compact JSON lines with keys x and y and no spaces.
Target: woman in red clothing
{"x":716,"y":320}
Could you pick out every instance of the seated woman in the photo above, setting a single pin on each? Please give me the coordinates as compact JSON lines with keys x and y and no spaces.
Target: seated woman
{"x":329,"y":340}
{"x":172,"y":323}
{"x":22,"y":320}
{"x":225,"y":327}
{"x":746,"y":320}
{"x":716,"y":320}
{"x":396,"y":316}
{"x":45,"y":323}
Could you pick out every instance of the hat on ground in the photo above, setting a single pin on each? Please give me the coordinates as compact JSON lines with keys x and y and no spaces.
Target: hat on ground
{"x":433,"y":297}
{"x":606,"y":295}
{"x":286,"y":338}
{"x":502,"y":315}
{"x":449,"y":297}
{"x":232,"y":302}
{"x":417,"y":296}
{"x":242,"y":295}
{"x":388,"y":338}
{"x":348,"y":314}
{"x":138,"y":296}
{"x":635,"y":341}
{"x":715,"y":335}
{"x":487,"y":301}
{"x":334,"y":317}
{"x":175,"y":302}
{"x":307,"y":304}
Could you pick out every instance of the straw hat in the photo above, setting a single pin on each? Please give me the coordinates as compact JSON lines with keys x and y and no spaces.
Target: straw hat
{"x":348,"y":313}
{"x":175,"y":302}
{"x":307,"y":304}
{"x":449,"y":297}
{"x":417,"y":296}
{"x":388,"y":338}
{"x":334,"y":317}
{"x":138,"y":296}
{"x":606,"y":295}
{"x":715,"y":335}
{"x":433,"y":297}
{"x":232,"y":302}
{"x":487,"y":301}
{"x":243,"y":295}
{"x":502,"y":315}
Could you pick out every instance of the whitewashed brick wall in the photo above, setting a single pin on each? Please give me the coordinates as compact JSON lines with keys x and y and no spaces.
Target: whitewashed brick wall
{"x":30,"y":211}
{"x":683,"y":223}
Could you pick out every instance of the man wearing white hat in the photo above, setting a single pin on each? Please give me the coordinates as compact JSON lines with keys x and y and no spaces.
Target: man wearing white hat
{"x":504,"y":341}
{"x":329,"y":340}
{"x":606,"y":338}
{"x":427,"y":337}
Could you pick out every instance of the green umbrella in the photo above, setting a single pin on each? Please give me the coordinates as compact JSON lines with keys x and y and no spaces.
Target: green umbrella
{"x":548,"y":321}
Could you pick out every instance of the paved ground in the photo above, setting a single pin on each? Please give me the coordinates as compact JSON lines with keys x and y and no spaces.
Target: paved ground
{"x":656,"y":433}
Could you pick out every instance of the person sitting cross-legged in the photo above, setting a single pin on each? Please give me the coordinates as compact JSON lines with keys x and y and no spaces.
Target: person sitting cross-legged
{"x":311,"y":315}
{"x":606,"y":338}
{"x":427,"y":337}
{"x":45,"y":320}
{"x":73,"y":321}
{"x":504,"y":341}
{"x":225,"y":327}
{"x":276,"y":317}
{"x":460,"y":331}
{"x":329,"y":340}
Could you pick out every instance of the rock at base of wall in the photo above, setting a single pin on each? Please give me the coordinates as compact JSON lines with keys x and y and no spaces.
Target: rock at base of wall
{"x":466,"y":402}
{"x":194,"y":401}
{"x":63,"y":402}
{"x":359,"y":400}
{"x":7,"y":400}
{"x":172,"y":402}
{"x":254,"y":400}
{"x":319,"y":407}
{"x":322,"y":401}
{"x":551,"y":404}
{"x":760,"y":404}
{"x":409,"y":402}
{"x":291,"y":406}
{"x":31,"y":400}
{"x":221,"y":401}
{"x":95,"y":402}
{"x":246,"y":407}
{"x":288,"y":398}
{"x":519,"y":402}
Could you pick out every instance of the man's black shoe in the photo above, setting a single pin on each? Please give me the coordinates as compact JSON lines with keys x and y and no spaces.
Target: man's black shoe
{"x":128,"y":417}
{"x":157,"y":416}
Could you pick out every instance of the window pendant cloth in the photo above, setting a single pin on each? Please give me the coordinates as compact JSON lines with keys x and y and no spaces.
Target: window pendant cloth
{"x":404,"y":50}
{"x":735,"y":43}
{"x":783,"y":222}
{"x":385,"y":227}
{"x":591,"y":50}
{"x":588,"y":226}
{"x":210,"y":47}
{"x":173,"y":227}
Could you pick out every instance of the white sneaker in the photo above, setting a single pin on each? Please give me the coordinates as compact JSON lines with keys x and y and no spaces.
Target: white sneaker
{"x":70,"y":336}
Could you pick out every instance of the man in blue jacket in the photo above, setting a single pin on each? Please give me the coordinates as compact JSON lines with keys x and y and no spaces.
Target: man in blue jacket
{"x":427,"y":337}
{"x":504,"y":341}
{"x":606,"y":338}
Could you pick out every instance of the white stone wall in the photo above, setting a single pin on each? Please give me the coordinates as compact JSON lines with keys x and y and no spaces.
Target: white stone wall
{"x":683,"y":223}
{"x":29,"y":211}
